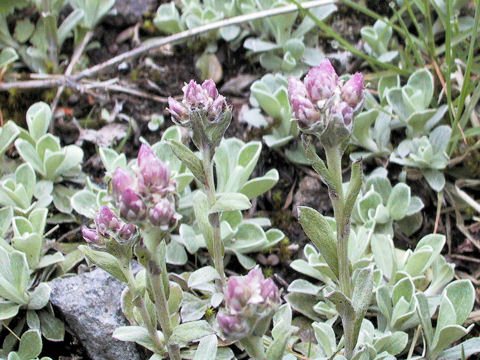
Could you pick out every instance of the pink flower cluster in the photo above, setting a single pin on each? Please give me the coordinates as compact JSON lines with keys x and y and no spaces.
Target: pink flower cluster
{"x":248,"y":299}
{"x":197,"y":97}
{"x":148,"y":194}
{"x":108,"y":225}
{"x":321,"y":95}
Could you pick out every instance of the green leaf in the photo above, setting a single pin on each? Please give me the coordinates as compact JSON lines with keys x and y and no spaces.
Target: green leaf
{"x":190,"y":331}
{"x":399,"y":201}
{"x":423,"y":312}
{"x":9,"y":131}
{"x":260,"y":185}
{"x":462,"y":295}
{"x":39,"y":297}
{"x":362,"y":295}
{"x":435,"y":179}
{"x":85,"y":203}
{"x":230,"y":202}
{"x":202,"y":276}
{"x":167,"y":19}
{"x":39,"y":116}
{"x":29,"y":154}
{"x":52,"y":328}
{"x":30,"y":345}
{"x":23,"y":30}
{"x":70,"y":22}
{"x":468,"y":348}
{"x":422,"y":80}
{"x":319,"y":231}
{"x":8,"y":310}
{"x":137,"y":334}
{"x":354,"y":187}
{"x":201,"y":210}
{"x":7,"y":56}
{"x":187,"y":157}
{"x":104,"y":260}
{"x":207,"y":348}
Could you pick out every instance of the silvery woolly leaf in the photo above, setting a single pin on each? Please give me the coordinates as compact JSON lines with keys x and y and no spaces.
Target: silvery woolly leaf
{"x":8,"y":56}
{"x":39,"y":297}
{"x":104,"y":260}
{"x":435,"y":178}
{"x":187,"y":157}
{"x":207,"y":348}
{"x":167,"y":19}
{"x":260,"y":185}
{"x":399,"y":201}
{"x":462,"y":296}
{"x":325,"y":337}
{"x":85,"y":203}
{"x":230,"y":202}
{"x":190,"y":331}
{"x":52,"y":328}
{"x":136,"y":334}
{"x":422,"y":80}
{"x":201,"y":276}
{"x":201,"y":210}
{"x":281,"y":332}
{"x":39,"y":116}
{"x":318,"y":230}
{"x":30,"y":345}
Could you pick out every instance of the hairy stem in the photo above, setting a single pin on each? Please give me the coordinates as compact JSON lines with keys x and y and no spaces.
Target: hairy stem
{"x":213,"y":218}
{"x":161,"y":304}
{"x":140,"y":304}
{"x":334,"y":163}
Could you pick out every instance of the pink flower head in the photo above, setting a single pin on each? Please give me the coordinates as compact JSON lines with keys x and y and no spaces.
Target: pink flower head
{"x":154,"y":174}
{"x":303,"y":109}
{"x":242,"y":291}
{"x":163,"y":214}
{"x":232,"y":326}
{"x":106,"y":221}
{"x":122,"y":180}
{"x":353,"y":90}
{"x":195,"y":95}
{"x":321,"y":81}
{"x":91,"y":236}
{"x":132,"y":207}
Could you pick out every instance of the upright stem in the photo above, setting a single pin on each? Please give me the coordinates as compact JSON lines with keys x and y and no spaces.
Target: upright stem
{"x":140,"y":304}
{"x":161,"y":304}
{"x":334,"y":162}
{"x":213,"y":218}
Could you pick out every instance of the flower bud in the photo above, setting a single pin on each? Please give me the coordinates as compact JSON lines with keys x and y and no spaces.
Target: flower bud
{"x":270,"y":291}
{"x":163,"y":214}
{"x":210,"y":87}
{"x":195,"y":95}
{"x":122,"y":180}
{"x":127,"y":231}
{"x":242,"y":291}
{"x":232,"y":326}
{"x":154,"y":175}
{"x":344,"y":112}
{"x":91,"y":236}
{"x":353,"y":90}
{"x":303,"y":109}
{"x":178,"y":111}
{"x":106,"y":221}
{"x":321,"y":81}
{"x":132,"y":207}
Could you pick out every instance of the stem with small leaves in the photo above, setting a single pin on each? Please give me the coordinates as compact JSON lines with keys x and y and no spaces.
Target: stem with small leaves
{"x":140,"y":304}
{"x":209,"y":188}
{"x":334,"y":163}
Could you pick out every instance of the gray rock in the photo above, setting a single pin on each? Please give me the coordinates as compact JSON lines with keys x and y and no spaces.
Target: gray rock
{"x":90,"y":306}
{"x":129,"y":12}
